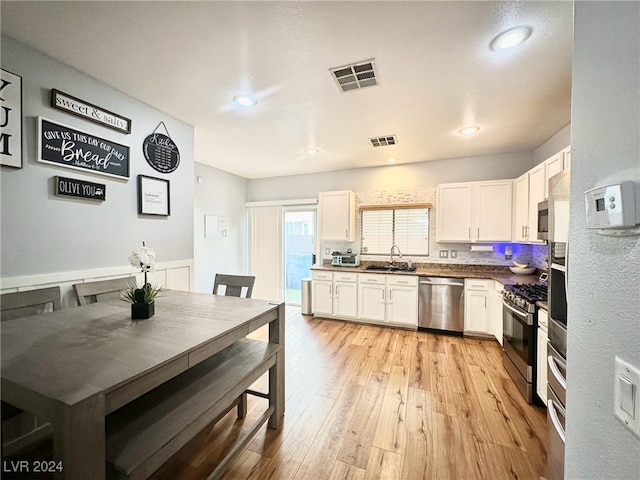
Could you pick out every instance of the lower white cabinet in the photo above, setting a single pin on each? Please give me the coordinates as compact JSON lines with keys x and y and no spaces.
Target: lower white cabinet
{"x":476,"y":306}
{"x":388,"y":299}
{"x":379,"y":298}
{"x":495,"y":312}
{"x":402,"y":300}
{"x":541,"y":355}
{"x":335,"y":294}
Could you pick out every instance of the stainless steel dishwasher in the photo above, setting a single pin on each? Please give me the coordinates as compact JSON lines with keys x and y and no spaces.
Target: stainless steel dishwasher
{"x":441,"y":304}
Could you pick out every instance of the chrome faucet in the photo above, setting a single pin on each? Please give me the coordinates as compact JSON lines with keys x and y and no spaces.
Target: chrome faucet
{"x":395,"y":247}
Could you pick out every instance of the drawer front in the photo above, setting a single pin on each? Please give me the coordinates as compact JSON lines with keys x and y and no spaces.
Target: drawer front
{"x":474,"y":284}
{"x":345,"y":277}
{"x":371,"y":278}
{"x":402,"y":280}
{"x":321,"y":275}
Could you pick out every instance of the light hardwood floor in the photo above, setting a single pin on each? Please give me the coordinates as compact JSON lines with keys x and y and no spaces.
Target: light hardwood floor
{"x":367,"y":402}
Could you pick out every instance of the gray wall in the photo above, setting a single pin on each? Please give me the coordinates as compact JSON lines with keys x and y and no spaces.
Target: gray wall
{"x":42,"y":233}
{"x":552,"y":146}
{"x":221,"y":194}
{"x":406,"y":177}
{"x":604,"y":291}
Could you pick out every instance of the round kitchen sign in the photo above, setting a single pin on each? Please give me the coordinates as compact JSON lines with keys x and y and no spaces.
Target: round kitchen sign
{"x":161,"y":153}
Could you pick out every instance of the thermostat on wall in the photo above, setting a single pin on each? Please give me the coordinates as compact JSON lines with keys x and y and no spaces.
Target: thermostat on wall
{"x":611,"y":206}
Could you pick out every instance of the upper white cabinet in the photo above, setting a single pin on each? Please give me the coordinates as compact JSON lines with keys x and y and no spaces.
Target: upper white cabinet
{"x":530,"y":190}
{"x":454,"y":212}
{"x":474,"y":211}
{"x":337,"y":215}
{"x":555,"y":164}
{"x":493,"y":211}
{"x":567,"y":157}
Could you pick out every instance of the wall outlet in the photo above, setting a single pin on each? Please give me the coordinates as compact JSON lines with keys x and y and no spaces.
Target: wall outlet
{"x":444,"y":253}
{"x":327,"y":251}
{"x":454,"y":253}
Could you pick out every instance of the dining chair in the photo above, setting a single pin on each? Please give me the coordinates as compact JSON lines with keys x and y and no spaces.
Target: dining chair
{"x":90,"y":292}
{"x":19,"y":305}
{"x":30,"y":302}
{"x":234,"y":285}
{"x":233,"y":288}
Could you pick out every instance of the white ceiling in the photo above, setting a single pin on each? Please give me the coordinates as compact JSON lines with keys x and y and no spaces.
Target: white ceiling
{"x":437,"y":74}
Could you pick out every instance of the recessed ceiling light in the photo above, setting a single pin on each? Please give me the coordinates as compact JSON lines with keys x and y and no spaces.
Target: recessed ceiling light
{"x":244,"y":101}
{"x":510,"y":38}
{"x":469,"y":130}
{"x":311,"y":151}
{"x":392,"y":160}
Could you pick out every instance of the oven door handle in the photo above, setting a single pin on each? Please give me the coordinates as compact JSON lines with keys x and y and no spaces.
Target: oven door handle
{"x":517,"y":312}
{"x":553,"y":415}
{"x":553,"y":366}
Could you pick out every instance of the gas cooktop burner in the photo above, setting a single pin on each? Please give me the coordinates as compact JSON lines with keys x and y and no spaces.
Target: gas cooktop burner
{"x":533,"y":293}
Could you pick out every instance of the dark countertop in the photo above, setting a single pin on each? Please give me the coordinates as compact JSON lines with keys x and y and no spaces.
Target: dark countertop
{"x":491,"y":272}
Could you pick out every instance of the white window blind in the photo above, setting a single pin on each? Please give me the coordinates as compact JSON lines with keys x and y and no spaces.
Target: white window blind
{"x":406,"y":226}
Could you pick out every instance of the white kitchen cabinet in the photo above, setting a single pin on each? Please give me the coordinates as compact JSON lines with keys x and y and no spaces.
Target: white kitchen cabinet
{"x":454,"y":212}
{"x":388,"y":299}
{"x":402,"y":300}
{"x":474,"y":211}
{"x":567,"y":157}
{"x":492,"y":202}
{"x":334,"y":294}
{"x":372,"y":292}
{"x":554,"y":165}
{"x":495,"y":310}
{"x":530,"y":190}
{"x":337,"y":215}
{"x":541,"y":355}
{"x":476,"y":293}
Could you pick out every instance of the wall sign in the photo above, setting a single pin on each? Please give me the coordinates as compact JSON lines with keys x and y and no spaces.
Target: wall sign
{"x":72,"y":187}
{"x":153,"y":196}
{"x":71,"y":148}
{"x":88,"y":111}
{"x":10,"y":119}
{"x":160,"y":151}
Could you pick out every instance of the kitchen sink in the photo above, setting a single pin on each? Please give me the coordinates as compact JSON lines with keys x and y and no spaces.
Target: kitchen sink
{"x":389,"y":268}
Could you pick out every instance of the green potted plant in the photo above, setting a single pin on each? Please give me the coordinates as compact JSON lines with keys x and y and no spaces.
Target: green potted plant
{"x":142,"y":299}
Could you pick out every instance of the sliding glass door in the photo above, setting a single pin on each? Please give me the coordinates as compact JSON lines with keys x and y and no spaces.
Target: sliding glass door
{"x":299,"y":227}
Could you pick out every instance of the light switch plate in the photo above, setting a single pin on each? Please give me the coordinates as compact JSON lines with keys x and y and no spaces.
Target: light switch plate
{"x":626,"y":400}
{"x":444,"y":253}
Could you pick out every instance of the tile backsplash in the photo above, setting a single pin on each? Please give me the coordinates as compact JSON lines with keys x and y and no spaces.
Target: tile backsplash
{"x":534,"y":255}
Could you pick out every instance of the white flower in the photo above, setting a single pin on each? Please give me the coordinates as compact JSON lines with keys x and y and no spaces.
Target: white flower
{"x":144,"y":258}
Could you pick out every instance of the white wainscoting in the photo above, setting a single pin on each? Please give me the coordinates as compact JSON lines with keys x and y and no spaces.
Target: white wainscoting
{"x":176,"y":275}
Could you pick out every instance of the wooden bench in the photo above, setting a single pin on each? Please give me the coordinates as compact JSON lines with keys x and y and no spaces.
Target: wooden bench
{"x":145,"y":433}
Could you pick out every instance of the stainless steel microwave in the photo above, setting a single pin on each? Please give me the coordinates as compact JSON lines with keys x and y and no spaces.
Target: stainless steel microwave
{"x":543,"y":220}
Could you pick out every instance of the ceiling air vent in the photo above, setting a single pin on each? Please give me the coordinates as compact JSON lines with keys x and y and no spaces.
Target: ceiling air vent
{"x":384,"y":141}
{"x":355,"y":76}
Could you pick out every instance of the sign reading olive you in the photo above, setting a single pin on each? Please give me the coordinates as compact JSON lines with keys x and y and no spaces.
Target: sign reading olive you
{"x":160,"y":151}
{"x":71,"y":148}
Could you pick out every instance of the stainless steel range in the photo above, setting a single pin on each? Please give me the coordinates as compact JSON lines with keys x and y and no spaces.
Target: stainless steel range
{"x":520,"y":321}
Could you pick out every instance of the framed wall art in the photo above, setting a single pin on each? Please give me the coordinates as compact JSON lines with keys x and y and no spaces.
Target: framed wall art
{"x":88,"y":111}
{"x":153,"y":196}
{"x":67,"y":147}
{"x":10,"y":119}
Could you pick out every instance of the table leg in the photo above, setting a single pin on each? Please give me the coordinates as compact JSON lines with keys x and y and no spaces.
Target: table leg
{"x":276,"y":373}
{"x":79,"y":439}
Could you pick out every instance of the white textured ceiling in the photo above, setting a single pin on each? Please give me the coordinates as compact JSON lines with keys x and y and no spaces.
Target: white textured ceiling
{"x":437,"y":74}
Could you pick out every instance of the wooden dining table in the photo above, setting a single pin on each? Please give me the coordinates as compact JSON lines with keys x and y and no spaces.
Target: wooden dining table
{"x":74,"y":367}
